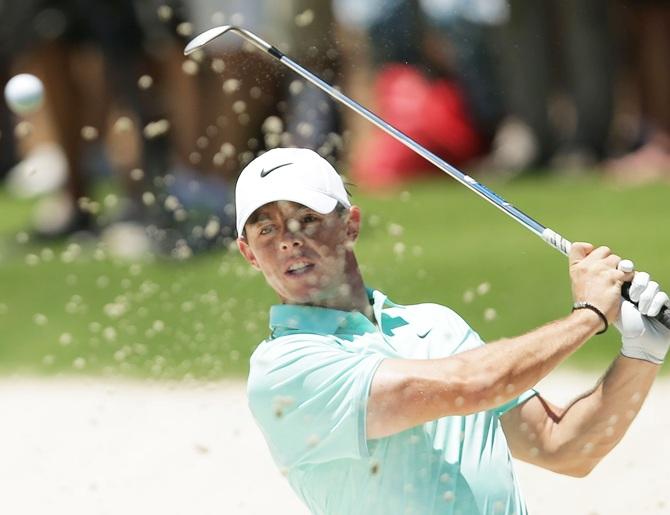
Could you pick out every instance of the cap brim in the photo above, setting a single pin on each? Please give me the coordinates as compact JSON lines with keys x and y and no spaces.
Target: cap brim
{"x":319,"y":202}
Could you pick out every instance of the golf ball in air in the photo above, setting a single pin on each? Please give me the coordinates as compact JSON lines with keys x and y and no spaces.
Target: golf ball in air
{"x":24,"y":93}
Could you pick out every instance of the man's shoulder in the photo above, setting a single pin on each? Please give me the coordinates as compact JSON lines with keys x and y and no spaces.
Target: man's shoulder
{"x":428,"y":308}
{"x":426,"y":312}
{"x":291,"y":346}
{"x":440,"y":329}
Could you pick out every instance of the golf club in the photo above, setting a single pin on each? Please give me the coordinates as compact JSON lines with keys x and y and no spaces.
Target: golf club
{"x":549,"y":236}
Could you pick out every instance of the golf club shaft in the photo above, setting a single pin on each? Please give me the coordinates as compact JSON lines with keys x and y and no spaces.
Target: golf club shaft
{"x":549,"y":236}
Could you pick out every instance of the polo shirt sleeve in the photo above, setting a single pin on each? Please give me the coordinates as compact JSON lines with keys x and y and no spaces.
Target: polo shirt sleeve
{"x":309,"y":397}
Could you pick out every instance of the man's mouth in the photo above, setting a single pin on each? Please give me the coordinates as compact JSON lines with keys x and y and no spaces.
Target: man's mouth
{"x":299,"y":267}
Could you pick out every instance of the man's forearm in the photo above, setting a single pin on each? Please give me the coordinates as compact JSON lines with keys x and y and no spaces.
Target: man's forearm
{"x":591,"y":426}
{"x":504,"y":369}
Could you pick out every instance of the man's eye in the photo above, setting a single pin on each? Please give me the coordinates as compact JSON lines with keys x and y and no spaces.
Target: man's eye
{"x":309,"y":218}
{"x":266,"y":229}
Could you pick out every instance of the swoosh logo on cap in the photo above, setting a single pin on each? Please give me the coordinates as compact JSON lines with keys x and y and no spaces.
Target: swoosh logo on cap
{"x":267,"y":172}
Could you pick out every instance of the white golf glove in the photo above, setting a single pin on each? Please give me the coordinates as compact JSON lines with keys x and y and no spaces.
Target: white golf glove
{"x":643,"y":337}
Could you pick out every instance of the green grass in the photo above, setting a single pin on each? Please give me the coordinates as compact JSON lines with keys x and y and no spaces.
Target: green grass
{"x":203,"y":317}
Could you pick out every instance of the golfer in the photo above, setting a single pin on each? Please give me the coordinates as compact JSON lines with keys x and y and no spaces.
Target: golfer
{"x":374,"y":408}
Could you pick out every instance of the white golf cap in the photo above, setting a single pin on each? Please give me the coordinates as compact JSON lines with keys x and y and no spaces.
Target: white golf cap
{"x":294,"y":174}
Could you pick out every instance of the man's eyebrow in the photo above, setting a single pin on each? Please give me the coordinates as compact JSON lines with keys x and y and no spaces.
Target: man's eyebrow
{"x":258,"y":216}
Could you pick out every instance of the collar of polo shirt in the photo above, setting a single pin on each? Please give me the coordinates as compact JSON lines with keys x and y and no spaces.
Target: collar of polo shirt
{"x":319,"y":320}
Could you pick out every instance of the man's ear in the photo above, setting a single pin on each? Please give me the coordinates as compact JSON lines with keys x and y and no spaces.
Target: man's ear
{"x":353,"y":223}
{"x":246,"y":251}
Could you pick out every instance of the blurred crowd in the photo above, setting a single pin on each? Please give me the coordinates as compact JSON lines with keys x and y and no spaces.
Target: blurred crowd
{"x":140,"y":145}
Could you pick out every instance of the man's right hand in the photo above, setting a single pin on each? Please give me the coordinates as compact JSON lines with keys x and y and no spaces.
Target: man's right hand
{"x":596,"y":279}
{"x":642,"y":336}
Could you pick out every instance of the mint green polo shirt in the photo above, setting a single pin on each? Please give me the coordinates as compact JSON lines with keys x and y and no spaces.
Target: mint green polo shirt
{"x":308,"y":390}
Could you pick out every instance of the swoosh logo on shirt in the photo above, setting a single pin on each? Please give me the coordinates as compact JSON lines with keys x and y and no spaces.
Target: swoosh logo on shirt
{"x":267,"y":172}
{"x":424,"y":334}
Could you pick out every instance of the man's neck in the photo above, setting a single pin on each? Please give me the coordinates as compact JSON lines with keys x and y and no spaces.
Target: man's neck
{"x":351,"y":296}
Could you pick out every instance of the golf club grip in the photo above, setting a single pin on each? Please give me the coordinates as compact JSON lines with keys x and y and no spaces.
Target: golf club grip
{"x":663,"y":316}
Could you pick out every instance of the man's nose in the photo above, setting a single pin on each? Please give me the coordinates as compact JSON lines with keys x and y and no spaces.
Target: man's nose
{"x":292,"y":236}
{"x":291,"y":243}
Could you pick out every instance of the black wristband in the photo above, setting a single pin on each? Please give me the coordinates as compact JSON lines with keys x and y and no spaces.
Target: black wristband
{"x":587,"y":305}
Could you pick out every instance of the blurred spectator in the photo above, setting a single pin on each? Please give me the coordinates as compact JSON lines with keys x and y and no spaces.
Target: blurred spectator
{"x":645,"y":30}
{"x":107,"y":68}
{"x":434,"y":81}
{"x":89,"y":56}
{"x":557,"y":72}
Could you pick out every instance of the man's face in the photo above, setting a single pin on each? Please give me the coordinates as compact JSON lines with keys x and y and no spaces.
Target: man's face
{"x":300,"y":251}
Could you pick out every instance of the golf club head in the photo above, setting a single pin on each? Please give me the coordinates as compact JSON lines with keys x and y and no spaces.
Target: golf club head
{"x":202,"y":39}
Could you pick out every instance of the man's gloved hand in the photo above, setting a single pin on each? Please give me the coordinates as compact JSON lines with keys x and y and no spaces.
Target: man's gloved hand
{"x":643,"y":337}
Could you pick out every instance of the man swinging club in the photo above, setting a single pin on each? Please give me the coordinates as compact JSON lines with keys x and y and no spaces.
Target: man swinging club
{"x":372,"y":407}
